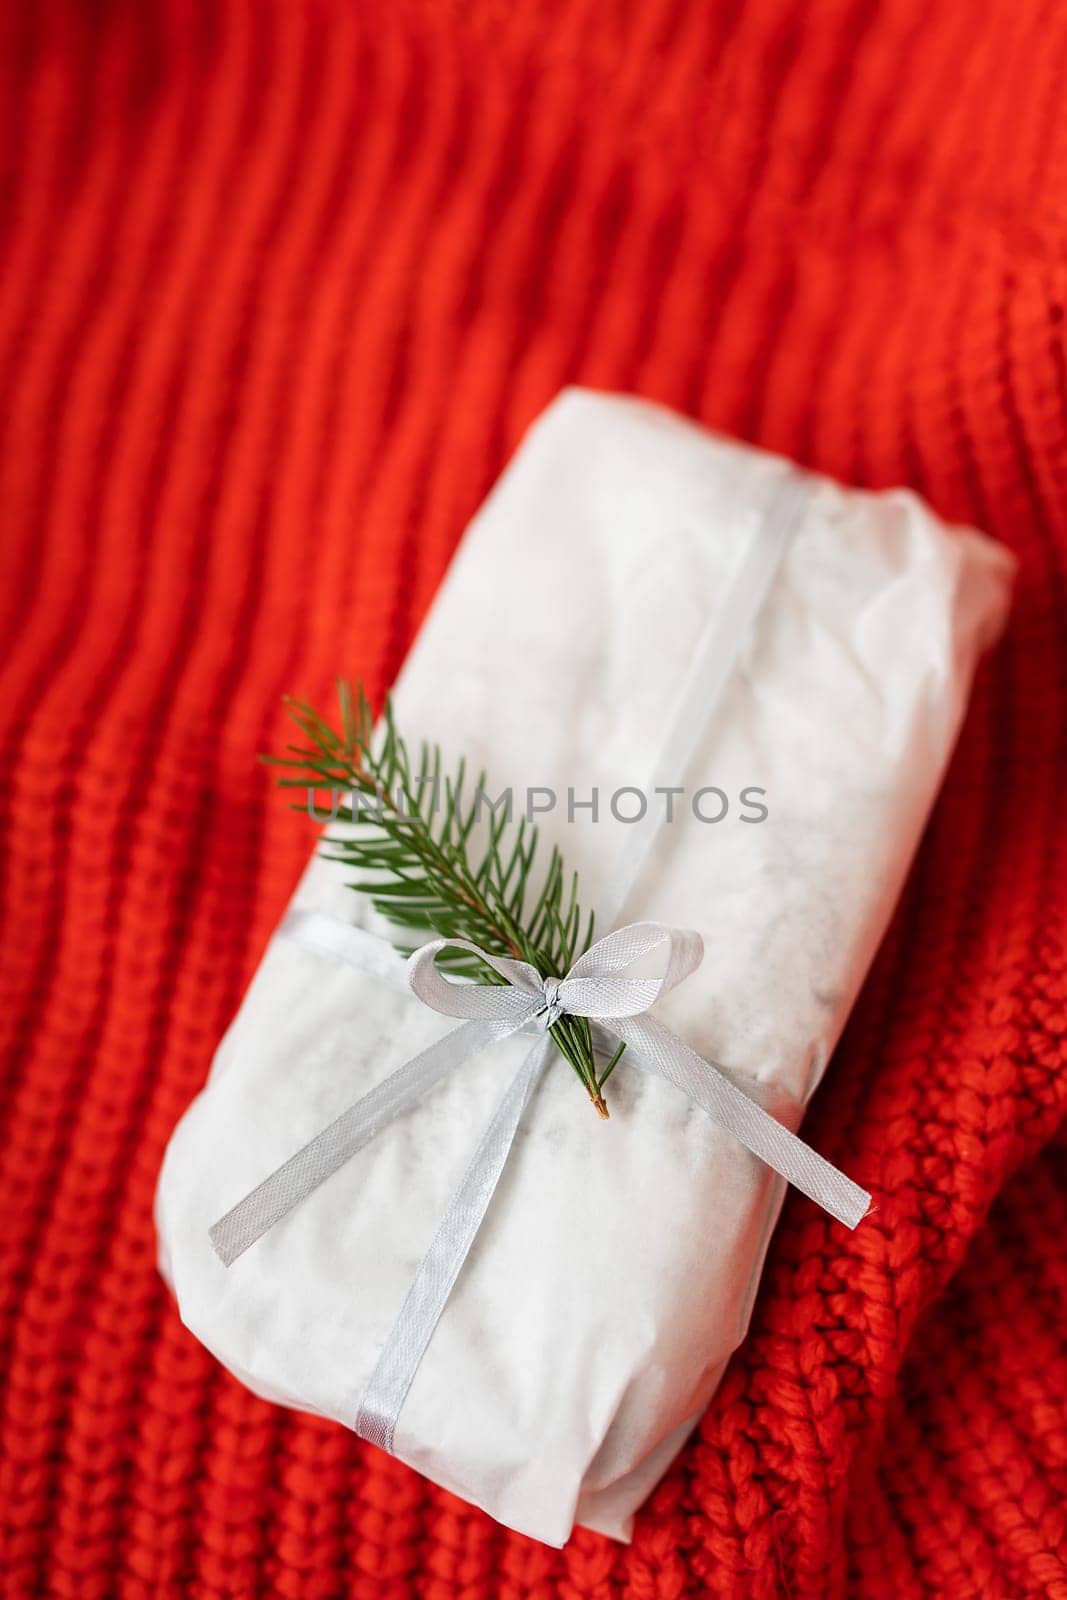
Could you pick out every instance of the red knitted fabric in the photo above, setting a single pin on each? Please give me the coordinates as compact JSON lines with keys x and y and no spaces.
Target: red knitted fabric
{"x":282,"y":286}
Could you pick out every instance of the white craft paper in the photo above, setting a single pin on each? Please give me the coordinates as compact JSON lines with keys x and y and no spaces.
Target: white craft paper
{"x":616,"y":1270}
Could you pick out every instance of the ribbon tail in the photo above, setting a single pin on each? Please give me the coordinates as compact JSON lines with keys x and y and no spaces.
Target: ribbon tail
{"x":439,"y":1268}
{"x":731,"y":1109}
{"x":301,"y":1175}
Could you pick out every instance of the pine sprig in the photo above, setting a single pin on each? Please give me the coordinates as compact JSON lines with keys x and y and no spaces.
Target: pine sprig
{"x":424,"y":866}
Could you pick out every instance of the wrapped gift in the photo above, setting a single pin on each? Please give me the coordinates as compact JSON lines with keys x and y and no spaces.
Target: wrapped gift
{"x":727,"y":690}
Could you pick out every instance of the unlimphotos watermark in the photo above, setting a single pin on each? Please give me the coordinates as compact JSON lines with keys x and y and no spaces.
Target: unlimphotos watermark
{"x":629,"y":803}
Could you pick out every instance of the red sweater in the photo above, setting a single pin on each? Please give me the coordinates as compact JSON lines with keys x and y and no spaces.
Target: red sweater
{"x":283,"y":282}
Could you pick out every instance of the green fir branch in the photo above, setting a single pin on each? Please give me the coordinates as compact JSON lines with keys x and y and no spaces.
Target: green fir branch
{"x":413,"y":854}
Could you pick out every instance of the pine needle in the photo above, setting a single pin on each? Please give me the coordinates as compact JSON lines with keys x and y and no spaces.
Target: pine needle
{"x":413,"y":854}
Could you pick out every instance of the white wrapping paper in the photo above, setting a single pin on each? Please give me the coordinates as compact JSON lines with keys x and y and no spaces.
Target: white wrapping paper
{"x":616,"y":1270}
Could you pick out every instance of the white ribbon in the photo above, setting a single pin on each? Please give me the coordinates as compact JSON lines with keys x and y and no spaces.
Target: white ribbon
{"x":593,"y":988}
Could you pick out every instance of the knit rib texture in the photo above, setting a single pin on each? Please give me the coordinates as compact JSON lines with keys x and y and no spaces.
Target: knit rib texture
{"x":282,"y":285}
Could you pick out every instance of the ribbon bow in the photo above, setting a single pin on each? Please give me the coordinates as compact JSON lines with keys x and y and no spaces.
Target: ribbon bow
{"x":592,"y":988}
